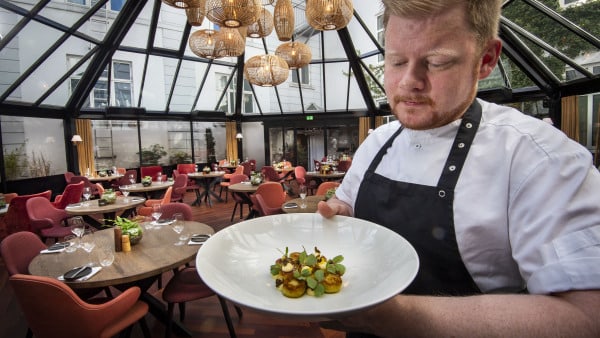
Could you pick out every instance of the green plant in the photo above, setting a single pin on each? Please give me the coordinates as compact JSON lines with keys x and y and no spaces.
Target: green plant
{"x":152,"y":154}
{"x":127,"y":226}
{"x":180,"y":157}
{"x":39,"y":166}
{"x":14,"y":161}
{"x":210,"y":146}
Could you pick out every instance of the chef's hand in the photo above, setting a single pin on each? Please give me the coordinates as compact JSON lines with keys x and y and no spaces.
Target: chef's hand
{"x":334,"y":207}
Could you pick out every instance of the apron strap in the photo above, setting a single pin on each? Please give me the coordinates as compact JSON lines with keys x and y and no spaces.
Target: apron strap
{"x":383,"y":150}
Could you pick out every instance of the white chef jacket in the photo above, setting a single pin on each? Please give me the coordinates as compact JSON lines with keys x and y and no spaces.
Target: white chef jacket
{"x":526,"y":205}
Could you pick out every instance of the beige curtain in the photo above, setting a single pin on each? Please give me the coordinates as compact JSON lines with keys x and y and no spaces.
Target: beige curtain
{"x":364,"y":126}
{"x":232,"y":142}
{"x":85,"y":149}
{"x":570,"y":117}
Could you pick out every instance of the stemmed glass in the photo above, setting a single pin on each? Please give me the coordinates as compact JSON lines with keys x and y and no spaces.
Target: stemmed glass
{"x":302,"y":192}
{"x":88,"y":244}
{"x":156,"y":212}
{"x":131,"y":179}
{"x":87,"y":193}
{"x":159,"y":177}
{"x":78,"y":228}
{"x":178,"y":227}
{"x":125,"y":193}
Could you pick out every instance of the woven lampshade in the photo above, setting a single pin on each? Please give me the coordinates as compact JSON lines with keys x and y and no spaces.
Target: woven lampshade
{"x":266,"y":70}
{"x":195,"y":15}
{"x":296,"y":54}
{"x":329,"y":14}
{"x":263,"y":26}
{"x":230,"y":42}
{"x":283,"y":20}
{"x":203,"y":43}
{"x":233,"y":13}
{"x":184,"y":3}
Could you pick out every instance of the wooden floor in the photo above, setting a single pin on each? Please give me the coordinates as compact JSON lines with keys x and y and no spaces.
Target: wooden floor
{"x":203,"y":317}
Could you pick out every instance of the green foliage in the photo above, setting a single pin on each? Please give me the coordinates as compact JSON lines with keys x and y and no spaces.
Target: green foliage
{"x":180,"y":157}
{"x":152,"y":154}
{"x":210,"y":146}
{"x":14,"y":162}
{"x":39,"y":166}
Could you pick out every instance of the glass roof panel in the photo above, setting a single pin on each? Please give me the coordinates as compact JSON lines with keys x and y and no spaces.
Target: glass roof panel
{"x":336,"y":85}
{"x":217,"y":83}
{"x":186,"y":88}
{"x":65,"y":12}
{"x":171,"y":23}
{"x":155,"y":91}
{"x":137,"y":36}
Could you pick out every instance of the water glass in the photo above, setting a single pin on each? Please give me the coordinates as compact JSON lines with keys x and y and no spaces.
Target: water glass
{"x":73,"y":246}
{"x":106,"y":257}
{"x":302,"y":192}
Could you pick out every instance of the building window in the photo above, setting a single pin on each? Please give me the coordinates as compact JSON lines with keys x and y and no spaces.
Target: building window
{"x":228,"y":103}
{"x":380,"y":34}
{"x":81,"y":2}
{"x":304,"y":76}
{"x":121,"y":85}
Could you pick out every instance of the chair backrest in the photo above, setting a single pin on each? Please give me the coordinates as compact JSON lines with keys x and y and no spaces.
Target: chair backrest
{"x":125,"y":179}
{"x":186,"y":168}
{"x":272,"y":193}
{"x":68,"y":176}
{"x":266,"y":209}
{"x":247,"y":168}
{"x":252,"y":164}
{"x":179,"y":187}
{"x":53,"y":309}
{"x":270,"y":174}
{"x":300,"y":174}
{"x":9,"y":196}
{"x":71,"y":194}
{"x":239,"y":170}
{"x":169,"y":209}
{"x":344,"y":165}
{"x":238,"y":178}
{"x":121,"y":171}
{"x":86,"y":184}
{"x":19,"y":249}
{"x":16,"y":218}
{"x":323,"y":187}
{"x":42,"y":214}
{"x":151,"y":171}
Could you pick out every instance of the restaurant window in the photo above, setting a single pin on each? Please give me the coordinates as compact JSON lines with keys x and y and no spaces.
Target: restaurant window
{"x":33,"y":147}
{"x":209,"y":141}
{"x":115,"y":144}
{"x":80,"y":2}
{"x":228,"y":103}
{"x":304,"y":74}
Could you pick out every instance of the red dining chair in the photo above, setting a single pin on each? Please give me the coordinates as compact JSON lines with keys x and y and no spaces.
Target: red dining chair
{"x":16,"y":218}
{"x":185,"y":286}
{"x":344,"y":165}
{"x":169,"y":209}
{"x":9,"y":196}
{"x":179,"y":188}
{"x":151,"y":171}
{"x":300,"y":174}
{"x":268,"y":198}
{"x":46,"y":220}
{"x":18,"y":249}
{"x":87,"y":183}
{"x":325,"y":186}
{"x":247,"y":168}
{"x":53,"y":309}
{"x":239,"y":170}
{"x":71,"y":194}
{"x":146,"y":210}
{"x":239,"y":200}
{"x":68,"y":176}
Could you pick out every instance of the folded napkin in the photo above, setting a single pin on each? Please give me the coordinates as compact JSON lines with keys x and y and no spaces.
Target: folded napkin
{"x":86,"y":273}
{"x":75,"y":205}
{"x":56,"y":248}
{"x":198,"y":239}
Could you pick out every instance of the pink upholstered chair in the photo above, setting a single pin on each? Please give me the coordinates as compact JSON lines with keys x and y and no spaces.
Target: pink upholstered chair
{"x":344,"y":165}
{"x":71,"y":194}
{"x":46,"y":220}
{"x":300,"y":174}
{"x":60,"y":303}
{"x":19,"y":249}
{"x":87,"y":183}
{"x":239,"y":199}
{"x":151,"y":171}
{"x":169,"y":209}
{"x":179,"y":188}
{"x":16,"y":218}
{"x":185,"y":286}
{"x":68,"y":176}
{"x":239,"y":170}
{"x":146,"y":210}
{"x":268,"y":198}
{"x":323,"y":187}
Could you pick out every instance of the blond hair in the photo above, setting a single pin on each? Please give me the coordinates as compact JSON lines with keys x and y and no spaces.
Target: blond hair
{"x":483,"y":16}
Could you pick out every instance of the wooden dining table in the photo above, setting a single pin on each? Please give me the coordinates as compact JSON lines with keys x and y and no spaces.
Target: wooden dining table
{"x":244,"y":190}
{"x":336,"y":175}
{"x":207,"y":181}
{"x":106,"y":178}
{"x":109,"y":211}
{"x":149,"y":190}
{"x":294,"y":205}
{"x":142,"y":266}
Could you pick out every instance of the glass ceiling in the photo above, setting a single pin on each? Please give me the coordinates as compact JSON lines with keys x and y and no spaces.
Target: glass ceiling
{"x":124,"y":58}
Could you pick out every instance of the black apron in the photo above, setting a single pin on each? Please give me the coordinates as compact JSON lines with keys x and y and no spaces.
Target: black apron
{"x":424,"y":215}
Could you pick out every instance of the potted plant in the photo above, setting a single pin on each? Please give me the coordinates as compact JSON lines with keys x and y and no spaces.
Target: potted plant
{"x":146,"y":181}
{"x":206,"y":169}
{"x":110,"y":196}
{"x":256,"y":178}
{"x":128,"y":227}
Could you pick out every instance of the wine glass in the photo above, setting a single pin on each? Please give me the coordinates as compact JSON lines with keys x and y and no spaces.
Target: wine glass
{"x":159,"y":177}
{"x":178,"y":227}
{"x":77,"y":227}
{"x":156,"y":212}
{"x":125,"y":193}
{"x":87,"y":193}
{"x":302,"y":192}
{"x":88,"y":244}
{"x":131,"y":179}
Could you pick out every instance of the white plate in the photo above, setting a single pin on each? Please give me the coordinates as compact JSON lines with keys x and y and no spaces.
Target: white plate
{"x":235,"y":262}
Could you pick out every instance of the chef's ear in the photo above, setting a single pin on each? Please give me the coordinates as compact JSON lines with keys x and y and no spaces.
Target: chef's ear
{"x":490,"y":57}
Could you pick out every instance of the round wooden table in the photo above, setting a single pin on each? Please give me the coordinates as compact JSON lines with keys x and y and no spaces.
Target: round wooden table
{"x":109,"y":210}
{"x":244,"y":190}
{"x":139,"y":188}
{"x":154,"y":254}
{"x":336,"y":175}
{"x":311,"y":204}
{"x":106,"y":178}
{"x":207,"y":181}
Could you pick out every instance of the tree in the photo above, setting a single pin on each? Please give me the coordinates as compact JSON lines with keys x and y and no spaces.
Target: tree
{"x":151,"y":155}
{"x":210,"y":147}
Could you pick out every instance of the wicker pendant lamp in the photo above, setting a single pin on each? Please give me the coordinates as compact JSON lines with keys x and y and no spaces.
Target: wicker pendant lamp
{"x":263,"y":26}
{"x":203,"y":43}
{"x":329,"y":14}
{"x":283,"y":20}
{"x":266,"y":70}
{"x":184,"y":3}
{"x":296,"y":54}
{"x":195,"y":15}
{"x":230,"y":42}
{"x":233,"y":13}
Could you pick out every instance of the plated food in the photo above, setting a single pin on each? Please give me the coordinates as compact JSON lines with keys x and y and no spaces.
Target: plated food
{"x":300,"y":273}
{"x":235,"y":261}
